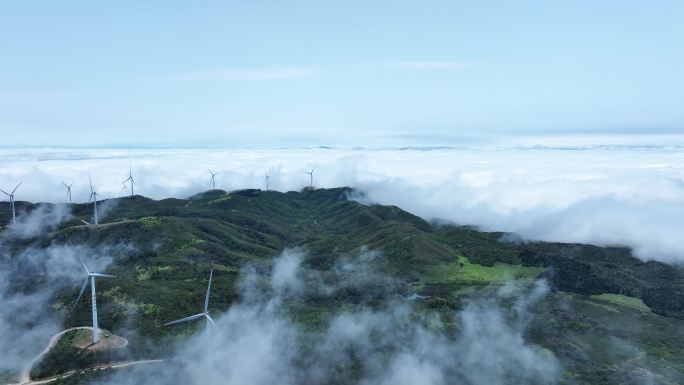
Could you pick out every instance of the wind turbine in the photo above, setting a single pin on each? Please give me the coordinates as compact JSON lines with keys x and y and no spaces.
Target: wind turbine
{"x":213,"y":180}
{"x":130,"y":177}
{"x":310,"y":175}
{"x":68,"y":187}
{"x":93,"y":197}
{"x":266,"y":179}
{"x":204,"y":314}
{"x":11,"y":202}
{"x":90,"y":276}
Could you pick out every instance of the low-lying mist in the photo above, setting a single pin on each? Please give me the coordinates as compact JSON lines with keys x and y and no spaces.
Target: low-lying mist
{"x":264,"y":338}
{"x":30,"y":277}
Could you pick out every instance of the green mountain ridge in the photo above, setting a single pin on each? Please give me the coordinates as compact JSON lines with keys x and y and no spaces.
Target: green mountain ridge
{"x":166,"y":248}
{"x":252,"y":223}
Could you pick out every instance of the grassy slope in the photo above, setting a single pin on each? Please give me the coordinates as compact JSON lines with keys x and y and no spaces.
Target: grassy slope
{"x":623,"y":300}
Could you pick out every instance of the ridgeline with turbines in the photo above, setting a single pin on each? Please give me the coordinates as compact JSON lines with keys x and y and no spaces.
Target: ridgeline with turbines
{"x":178,"y":252}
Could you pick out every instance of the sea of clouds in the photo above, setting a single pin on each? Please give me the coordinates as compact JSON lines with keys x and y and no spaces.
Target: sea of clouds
{"x":604,"y":195}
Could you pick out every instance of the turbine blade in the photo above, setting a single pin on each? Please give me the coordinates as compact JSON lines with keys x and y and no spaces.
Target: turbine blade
{"x":80,"y":294}
{"x":90,"y":180}
{"x":86,"y":222}
{"x":15,"y":189}
{"x":211,"y":320}
{"x":3,"y":191}
{"x":65,"y":185}
{"x":206,"y":299}
{"x":100,"y":275}
{"x":84,"y":265}
{"x":186,"y":319}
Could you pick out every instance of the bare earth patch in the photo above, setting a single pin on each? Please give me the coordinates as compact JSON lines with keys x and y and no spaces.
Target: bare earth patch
{"x":108,"y":340}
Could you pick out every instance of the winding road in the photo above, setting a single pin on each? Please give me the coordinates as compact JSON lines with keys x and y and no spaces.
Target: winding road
{"x":25,"y":375}
{"x":117,"y":365}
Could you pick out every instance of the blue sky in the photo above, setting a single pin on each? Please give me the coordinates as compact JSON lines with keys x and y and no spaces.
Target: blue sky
{"x":282,"y":73}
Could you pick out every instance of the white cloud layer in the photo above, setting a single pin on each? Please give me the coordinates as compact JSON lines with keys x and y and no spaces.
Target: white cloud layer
{"x":606,"y":195}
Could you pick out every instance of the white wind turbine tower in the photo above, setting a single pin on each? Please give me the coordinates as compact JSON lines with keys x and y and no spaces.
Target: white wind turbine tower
{"x":93,"y":197}
{"x":204,"y":314}
{"x":213,"y":180}
{"x":11,"y":202}
{"x":68,"y":193}
{"x":130,"y":177}
{"x":311,"y":176}
{"x":266,"y":178}
{"x":90,"y":276}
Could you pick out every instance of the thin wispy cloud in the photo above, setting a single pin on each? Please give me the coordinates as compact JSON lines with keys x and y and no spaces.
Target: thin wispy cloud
{"x":247,"y":74}
{"x":32,"y":95}
{"x":431,"y":64}
{"x":244,"y":74}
